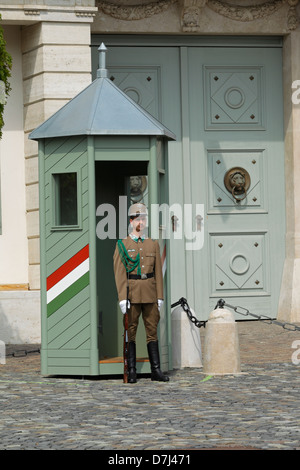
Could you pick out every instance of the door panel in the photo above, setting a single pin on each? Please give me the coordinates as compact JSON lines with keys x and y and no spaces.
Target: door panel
{"x":220,"y":200}
{"x":239,"y":264}
{"x":141,"y":84}
{"x":234,"y":97}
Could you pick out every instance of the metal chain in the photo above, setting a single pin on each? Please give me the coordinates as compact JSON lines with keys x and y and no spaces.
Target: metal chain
{"x":186,"y":308}
{"x":239,"y":310}
{"x":244,"y":311}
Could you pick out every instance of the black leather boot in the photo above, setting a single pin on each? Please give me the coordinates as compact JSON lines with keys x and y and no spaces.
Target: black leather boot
{"x":131,"y":363}
{"x":156,"y":373}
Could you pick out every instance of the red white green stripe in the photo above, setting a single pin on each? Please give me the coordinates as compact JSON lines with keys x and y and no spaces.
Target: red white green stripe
{"x":68,"y":280}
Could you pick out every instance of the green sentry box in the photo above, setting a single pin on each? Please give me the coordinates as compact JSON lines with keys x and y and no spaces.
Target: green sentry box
{"x":87,"y":152}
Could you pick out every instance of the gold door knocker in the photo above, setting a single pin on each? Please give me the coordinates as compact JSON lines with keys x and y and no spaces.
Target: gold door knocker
{"x":237,"y":182}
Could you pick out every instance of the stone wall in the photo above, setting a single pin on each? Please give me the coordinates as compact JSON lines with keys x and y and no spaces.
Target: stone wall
{"x":54,"y":71}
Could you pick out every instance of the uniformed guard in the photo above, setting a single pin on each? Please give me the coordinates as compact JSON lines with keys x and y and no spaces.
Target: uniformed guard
{"x":138,"y":271}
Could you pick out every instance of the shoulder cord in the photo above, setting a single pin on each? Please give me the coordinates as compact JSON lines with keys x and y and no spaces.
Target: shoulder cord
{"x":129,"y":263}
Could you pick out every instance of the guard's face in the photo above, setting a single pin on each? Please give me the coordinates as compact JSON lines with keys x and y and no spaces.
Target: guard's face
{"x":139,"y":223}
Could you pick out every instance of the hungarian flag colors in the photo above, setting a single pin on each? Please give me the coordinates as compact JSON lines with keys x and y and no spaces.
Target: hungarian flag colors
{"x":68,"y":280}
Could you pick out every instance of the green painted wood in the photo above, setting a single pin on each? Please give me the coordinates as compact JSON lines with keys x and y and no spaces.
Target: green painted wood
{"x":153,"y":177}
{"x":122,"y":148}
{"x":84,"y":316}
{"x":65,"y":320}
{"x":69,"y":330}
{"x":165,"y":316}
{"x":43,"y":267}
{"x":93,"y":332}
{"x":122,"y":142}
{"x":123,"y":155}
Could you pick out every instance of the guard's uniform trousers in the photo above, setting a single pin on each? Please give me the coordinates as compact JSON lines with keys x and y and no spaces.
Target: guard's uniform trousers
{"x":144,"y":289}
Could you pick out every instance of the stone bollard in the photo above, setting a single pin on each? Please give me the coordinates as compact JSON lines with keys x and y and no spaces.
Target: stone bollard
{"x":221,"y":345}
{"x":186,"y":344}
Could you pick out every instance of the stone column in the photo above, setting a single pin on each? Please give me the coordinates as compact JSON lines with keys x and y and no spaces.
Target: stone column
{"x":56,"y":67}
{"x":289,"y":302}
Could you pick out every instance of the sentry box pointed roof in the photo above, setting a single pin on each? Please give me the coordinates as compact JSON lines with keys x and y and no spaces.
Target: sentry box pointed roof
{"x":101,"y":109}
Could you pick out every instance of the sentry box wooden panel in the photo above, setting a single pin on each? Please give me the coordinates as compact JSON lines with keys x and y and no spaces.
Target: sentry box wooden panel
{"x":87,"y":152}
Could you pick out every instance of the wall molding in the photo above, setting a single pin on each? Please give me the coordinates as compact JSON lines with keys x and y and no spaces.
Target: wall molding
{"x":191,"y":11}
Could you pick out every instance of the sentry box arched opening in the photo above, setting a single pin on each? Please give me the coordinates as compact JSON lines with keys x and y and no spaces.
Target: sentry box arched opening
{"x":89,"y":152}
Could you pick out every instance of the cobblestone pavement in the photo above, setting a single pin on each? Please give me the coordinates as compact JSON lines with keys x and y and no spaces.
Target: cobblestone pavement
{"x":257,"y":409}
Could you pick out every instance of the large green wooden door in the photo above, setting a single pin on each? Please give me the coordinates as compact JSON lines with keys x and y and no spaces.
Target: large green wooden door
{"x":225,"y":106}
{"x":236,"y":120}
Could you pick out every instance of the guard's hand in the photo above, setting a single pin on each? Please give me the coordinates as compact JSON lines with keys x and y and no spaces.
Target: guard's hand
{"x":160,"y":303}
{"x":123,"y":306}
